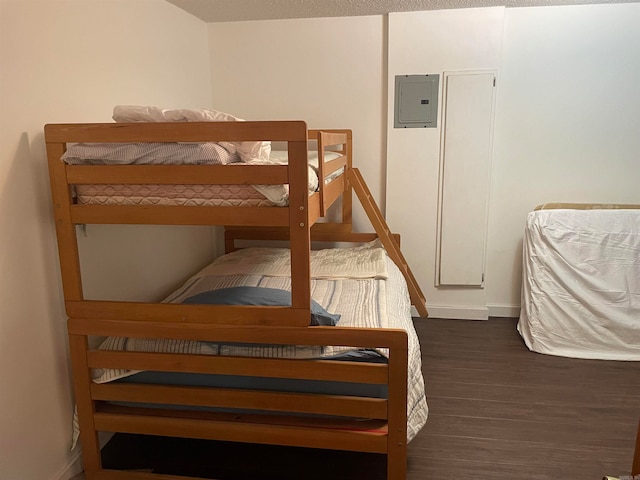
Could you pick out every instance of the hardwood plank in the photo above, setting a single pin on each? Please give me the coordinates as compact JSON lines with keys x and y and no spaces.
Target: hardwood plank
{"x":499,"y":411}
{"x":560,"y":414}
{"x":584,"y":434}
{"x":526,"y":454}
{"x":463,"y":469}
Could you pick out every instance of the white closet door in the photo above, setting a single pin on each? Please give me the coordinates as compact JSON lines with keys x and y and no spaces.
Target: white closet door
{"x":464,"y":176}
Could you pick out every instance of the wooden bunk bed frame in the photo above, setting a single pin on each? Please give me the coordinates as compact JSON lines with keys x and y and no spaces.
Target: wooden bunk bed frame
{"x":385,"y":433}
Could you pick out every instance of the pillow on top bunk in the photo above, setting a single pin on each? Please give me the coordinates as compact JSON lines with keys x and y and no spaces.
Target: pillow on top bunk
{"x":137,"y":113}
{"x":261,"y":297}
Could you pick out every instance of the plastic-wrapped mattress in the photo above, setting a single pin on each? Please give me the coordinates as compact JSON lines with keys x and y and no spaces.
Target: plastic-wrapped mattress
{"x":581,"y":283}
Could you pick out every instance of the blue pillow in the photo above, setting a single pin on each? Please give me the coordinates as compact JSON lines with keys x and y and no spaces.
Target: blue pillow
{"x":262,"y":297}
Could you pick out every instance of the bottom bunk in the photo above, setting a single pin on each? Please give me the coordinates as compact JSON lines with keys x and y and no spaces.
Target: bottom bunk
{"x":350,"y":381}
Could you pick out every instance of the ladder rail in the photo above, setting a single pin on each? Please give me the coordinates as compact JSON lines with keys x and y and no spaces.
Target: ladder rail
{"x":387,"y":239}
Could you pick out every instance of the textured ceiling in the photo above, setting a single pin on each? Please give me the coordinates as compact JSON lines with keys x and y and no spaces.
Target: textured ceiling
{"x":239,"y":10}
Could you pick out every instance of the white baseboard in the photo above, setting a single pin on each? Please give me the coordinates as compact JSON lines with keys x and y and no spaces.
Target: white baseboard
{"x":511,"y":311}
{"x":471,"y":313}
{"x":461,"y":313}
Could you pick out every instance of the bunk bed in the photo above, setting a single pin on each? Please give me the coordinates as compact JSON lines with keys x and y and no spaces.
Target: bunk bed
{"x":379,"y":423}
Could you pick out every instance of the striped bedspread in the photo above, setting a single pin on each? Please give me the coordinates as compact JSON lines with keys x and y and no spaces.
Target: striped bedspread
{"x":362,"y":302}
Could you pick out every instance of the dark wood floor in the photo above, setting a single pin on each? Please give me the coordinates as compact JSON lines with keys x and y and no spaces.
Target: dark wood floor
{"x":497,"y":412}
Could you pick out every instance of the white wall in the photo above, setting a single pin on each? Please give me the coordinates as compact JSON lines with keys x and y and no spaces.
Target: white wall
{"x":564,"y":126}
{"x":567,"y":125}
{"x":432,"y":43}
{"x":326,"y":71}
{"x":72,"y":61}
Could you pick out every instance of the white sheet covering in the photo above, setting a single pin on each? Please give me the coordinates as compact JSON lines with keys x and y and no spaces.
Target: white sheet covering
{"x":581,"y":283}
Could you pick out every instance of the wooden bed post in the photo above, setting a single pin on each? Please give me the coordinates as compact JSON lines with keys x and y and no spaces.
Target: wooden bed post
{"x":72,"y":288}
{"x":91,"y":459}
{"x":65,"y":229}
{"x":299,"y":228}
{"x":397,"y":410}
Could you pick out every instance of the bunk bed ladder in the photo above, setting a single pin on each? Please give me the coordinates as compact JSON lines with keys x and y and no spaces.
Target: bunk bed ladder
{"x":388,"y":241}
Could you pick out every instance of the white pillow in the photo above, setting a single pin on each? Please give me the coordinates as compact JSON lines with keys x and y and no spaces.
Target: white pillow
{"x":246,"y":150}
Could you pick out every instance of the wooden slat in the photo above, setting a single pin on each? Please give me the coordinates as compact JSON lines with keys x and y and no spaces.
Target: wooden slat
{"x":240,"y":174}
{"x":319,"y":236}
{"x":357,"y":372}
{"x":176,"y":132}
{"x":188,"y":313}
{"x":179,"y":215}
{"x":270,"y":434}
{"x":320,"y":232}
{"x":243,"y":399}
{"x":375,"y":427}
{"x":333,"y":165}
{"x":338,"y":336}
{"x":331,"y":138}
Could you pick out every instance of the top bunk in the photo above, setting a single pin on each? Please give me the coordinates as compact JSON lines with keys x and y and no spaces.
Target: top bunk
{"x":147,"y":159}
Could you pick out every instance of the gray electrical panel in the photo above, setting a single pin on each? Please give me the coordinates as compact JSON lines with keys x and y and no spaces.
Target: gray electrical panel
{"x":416,"y":101}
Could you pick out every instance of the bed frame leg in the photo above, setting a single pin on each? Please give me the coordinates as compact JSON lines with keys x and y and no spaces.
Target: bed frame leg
{"x":397,"y":410}
{"x":397,"y":462}
{"x":78,"y":346}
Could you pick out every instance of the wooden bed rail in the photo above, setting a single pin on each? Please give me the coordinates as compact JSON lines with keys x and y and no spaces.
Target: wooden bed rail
{"x":99,"y":410}
{"x":284,"y":131}
{"x":297,"y":217}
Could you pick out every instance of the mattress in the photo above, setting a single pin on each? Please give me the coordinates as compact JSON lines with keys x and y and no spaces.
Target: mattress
{"x":581,"y":283}
{"x":376,"y":298}
{"x":186,"y":195}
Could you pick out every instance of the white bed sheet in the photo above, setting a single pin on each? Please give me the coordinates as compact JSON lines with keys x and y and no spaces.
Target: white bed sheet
{"x":581,"y":283}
